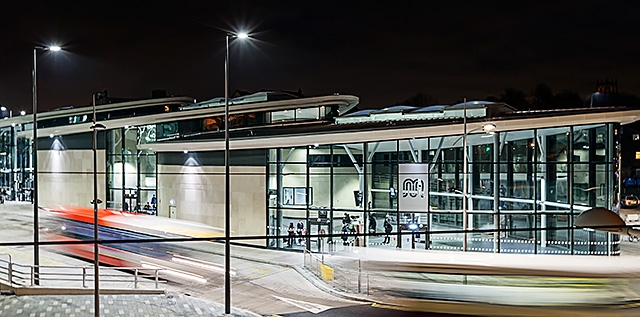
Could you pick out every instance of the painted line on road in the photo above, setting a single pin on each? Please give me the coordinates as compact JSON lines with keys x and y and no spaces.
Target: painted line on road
{"x":310,"y":307}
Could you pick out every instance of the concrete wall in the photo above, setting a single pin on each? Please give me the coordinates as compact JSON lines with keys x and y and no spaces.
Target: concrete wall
{"x":66,"y":177}
{"x":197,"y":193}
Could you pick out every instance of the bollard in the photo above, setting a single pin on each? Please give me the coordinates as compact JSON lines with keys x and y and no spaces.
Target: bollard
{"x":10,"y":274}
{"x":84,"y":277}
{"x":156,"y":279}
{"x":359,"y":276}
{"x":135,"y":278}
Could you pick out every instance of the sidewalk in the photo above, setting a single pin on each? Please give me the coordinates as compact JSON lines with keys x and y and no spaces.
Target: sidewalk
{"x":172,"y":303}
{"x":167,"y":305}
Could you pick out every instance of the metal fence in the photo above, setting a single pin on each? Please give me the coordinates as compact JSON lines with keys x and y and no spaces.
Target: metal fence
{"x":346,"y":276}
{"x":20,"y":275}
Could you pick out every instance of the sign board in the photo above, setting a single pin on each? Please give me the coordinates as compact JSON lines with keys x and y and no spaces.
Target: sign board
{"x":414,"y":187}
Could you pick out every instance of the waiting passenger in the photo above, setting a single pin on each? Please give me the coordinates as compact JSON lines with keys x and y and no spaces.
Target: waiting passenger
{"x":300,"y":230}
{"x":292,"y":234}
{"x":345,"y":234}
{"x":387,"y":230}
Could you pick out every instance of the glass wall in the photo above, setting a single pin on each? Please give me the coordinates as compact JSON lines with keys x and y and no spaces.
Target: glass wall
{"x":523,"y":189}
{"x":131,"y":173}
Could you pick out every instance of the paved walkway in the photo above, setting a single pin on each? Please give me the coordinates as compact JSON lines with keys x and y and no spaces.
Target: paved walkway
{"x":167,"y":305}
{"x":176,"y":304}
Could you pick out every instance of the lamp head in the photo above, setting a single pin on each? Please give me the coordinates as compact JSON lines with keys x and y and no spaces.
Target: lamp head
{"x":52,"y":48}
{"x":98,"y":127}
{"x":489,"y":128}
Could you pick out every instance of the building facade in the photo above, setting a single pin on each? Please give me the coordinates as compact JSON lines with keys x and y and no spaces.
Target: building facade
{"x":476,"y":176}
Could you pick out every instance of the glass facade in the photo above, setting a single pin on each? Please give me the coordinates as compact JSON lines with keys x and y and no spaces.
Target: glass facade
{"x":512,"y":191}
{"x":523,"y":190}
{"x":131,"y":173}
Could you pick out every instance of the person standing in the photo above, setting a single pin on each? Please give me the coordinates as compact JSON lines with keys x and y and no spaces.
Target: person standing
{"x":345,"y":234}
{"x":300,"y":230}
{"x":346,"y":220}
{"x":292,"y":234}
{"x":372,"y":224}
{"x":387,"y":230}
{"x":154,"y":202}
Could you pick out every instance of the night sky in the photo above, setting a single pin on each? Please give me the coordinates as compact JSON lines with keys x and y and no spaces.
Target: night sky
{"x":382,"y":51}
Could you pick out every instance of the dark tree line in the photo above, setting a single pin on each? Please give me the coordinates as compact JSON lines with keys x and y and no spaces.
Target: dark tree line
{"x":541,"y":98}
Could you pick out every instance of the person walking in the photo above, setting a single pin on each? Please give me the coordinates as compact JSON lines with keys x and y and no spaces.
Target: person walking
{"x":372,"y":224}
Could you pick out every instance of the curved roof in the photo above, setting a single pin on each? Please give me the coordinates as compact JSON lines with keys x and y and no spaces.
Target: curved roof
{"x":398,"y":108}
{"x":360,"y":113}
{"x":430,"y":109}
{"x":469,"y":109}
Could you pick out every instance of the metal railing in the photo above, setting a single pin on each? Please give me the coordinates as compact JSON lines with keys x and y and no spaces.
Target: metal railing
{"x":20,"y":275}
{"x":347,"y":276}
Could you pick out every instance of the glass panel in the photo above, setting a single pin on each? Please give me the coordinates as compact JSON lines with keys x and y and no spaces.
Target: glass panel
{"x":347,"y":182}
{"x":114,"y":141}
{"x":131,"y":171}
{"x":167,"y":130}
{"x":114,"y":166}
{"x":307,"y":114}
{"x":147,"y":134}
{"x":213,"y":123}
{"x":320,"y":175}
{"x":554,"y":241}
{"x":131,"y":141}
{"x":147,"y":164}
{"x":115,"y":201}
{"x":283,"y":116}
{"x":148,"y":202}
{"x":384,"y":172}
{"x":148,"y":181}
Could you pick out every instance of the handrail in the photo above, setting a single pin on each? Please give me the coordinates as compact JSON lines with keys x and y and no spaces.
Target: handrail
{"x":59,"y":275}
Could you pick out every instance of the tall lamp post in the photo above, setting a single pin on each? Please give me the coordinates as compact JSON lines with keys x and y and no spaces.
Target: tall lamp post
{"x":227,"y":205}
{"x":488,"y":128}
{"x":465,"y":170}
{"x":34,"y":192}
{"x":96,"y":254}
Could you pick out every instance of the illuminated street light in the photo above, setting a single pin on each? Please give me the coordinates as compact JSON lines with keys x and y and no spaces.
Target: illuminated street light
{"x":602,"y":219}
{"x":227,"y":206}
{"x":488,"y":128}
{"x":34,"y":192}
{"x":96,"y":254}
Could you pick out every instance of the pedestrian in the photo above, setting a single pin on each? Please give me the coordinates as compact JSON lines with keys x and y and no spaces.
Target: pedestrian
{"x":292,"y":234}
{"x":299,"y":230}
{"x":387,"y":230}
{"x":345,"y":234}
{"x":372,"y":224}
{"x":346,"y":220}
{"x":154,"y":202}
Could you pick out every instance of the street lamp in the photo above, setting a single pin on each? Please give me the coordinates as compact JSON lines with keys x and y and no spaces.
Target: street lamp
{"x":488,"y":128}
{"x":34,"y":192}
{"x":96,"y":255}
{"x":227,"y":209}
{"x":602,"y":219}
